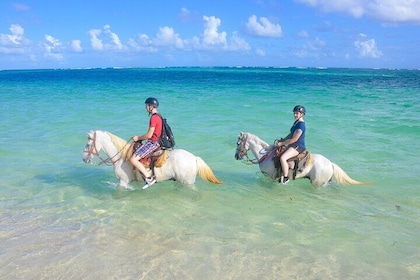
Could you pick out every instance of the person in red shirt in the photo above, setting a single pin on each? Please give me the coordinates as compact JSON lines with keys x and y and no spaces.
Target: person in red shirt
{"x":152,"y":144}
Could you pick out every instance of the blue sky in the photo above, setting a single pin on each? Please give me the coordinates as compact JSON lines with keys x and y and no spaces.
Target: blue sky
{"x":38,"y":34}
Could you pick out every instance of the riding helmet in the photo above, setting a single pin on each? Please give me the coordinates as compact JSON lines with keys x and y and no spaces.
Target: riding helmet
{"x":152,"y":101}
{"x":299,"y":108}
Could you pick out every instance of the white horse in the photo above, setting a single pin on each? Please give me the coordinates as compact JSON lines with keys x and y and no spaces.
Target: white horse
{"x":180,"y":165}
{"x":318,"y":169}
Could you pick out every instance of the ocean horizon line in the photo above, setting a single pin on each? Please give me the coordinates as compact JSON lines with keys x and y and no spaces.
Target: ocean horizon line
{"x":213,"y":67}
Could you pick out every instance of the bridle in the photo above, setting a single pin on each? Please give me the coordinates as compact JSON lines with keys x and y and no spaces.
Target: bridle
{"x":242,"y":151}
{"x":91,"y":150}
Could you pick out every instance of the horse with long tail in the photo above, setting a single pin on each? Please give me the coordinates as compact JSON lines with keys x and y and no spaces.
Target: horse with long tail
{"x":317,"y":168}
{"x":179,"y":165}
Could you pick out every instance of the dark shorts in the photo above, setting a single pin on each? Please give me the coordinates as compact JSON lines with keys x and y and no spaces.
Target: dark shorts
{"x":146,"y":149}
{"x":297,"y":148}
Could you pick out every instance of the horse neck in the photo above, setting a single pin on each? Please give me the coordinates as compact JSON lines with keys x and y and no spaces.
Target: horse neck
{"x":258,"y":147}
{"x":106,"y":143}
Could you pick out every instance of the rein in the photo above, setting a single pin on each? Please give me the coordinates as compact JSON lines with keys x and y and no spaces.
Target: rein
{"x":108,"y":161}
{"x":258,"y":161}
{"x":253,"y":161}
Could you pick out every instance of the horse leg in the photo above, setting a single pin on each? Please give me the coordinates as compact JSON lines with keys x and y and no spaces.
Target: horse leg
{"x":124,"y":172}
{"x":319,"y":183}
{"x":321,"y":175}
{"x":124,"y":180}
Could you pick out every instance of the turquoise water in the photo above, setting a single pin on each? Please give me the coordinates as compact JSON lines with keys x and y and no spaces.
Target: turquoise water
{"x":62,"y":219}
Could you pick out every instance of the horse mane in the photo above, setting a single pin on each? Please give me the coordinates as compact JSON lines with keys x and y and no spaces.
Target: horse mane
{"x":258,"y":140}
{"x":120,"y":144}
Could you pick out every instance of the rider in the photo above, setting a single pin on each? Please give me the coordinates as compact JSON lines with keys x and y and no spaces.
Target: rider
{"x":152,"y":144}
{"x":295,"y":141}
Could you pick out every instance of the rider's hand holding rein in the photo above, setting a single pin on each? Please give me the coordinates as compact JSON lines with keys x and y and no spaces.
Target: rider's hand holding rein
{"x":281,"y":142}
{"x":137,"y":138}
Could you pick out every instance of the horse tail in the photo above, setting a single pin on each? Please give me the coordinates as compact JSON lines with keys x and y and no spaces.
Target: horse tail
{"x":205,"y":171}
{"x":342,"y":178}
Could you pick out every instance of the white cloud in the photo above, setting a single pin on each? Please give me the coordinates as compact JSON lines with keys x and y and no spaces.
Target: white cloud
{"x":95,"y":42}
{"x":52,"y":42}
{"x":184,"y":15}
{"x":104,"y":39}
{"x":185,"y":12}
{"x":14,"y":42}
{"x":167,"y":37}
{"x":313,"y":48}
{"x":187,"y":16}
{"x":14,"y":38}
{"x":195,"y":43}
{"x":113,"y":41}
{"x":316,"y":44}
{"x":17,"y":34}
{"x":260,"y":52}
{"x":211,"y":39}
{"x":236,"y":43}
{"x":53,"y":47}
{"x":142,"y":43}
{"x":264,"y":28}
{"x":367,"y":47}
{"x":76,"y":46}
{"x":210,"y":35}
{"x":394,"y":11}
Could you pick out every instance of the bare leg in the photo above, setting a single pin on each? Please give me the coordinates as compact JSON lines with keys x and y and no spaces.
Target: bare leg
{"x":289,"y":153}
{"x":137,"y":164}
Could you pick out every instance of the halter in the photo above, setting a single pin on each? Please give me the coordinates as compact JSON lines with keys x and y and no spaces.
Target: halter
{"x":242,"y":151}
{"x":91,"y":149}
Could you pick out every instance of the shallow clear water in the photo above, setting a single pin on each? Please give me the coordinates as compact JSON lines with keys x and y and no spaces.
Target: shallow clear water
{"x":61,"y":218}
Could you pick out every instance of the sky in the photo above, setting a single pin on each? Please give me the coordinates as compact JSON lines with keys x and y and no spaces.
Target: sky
{"x":47,"y":34}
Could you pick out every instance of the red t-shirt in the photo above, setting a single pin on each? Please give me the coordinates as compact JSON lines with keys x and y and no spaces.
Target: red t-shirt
{"x":156,"y":122}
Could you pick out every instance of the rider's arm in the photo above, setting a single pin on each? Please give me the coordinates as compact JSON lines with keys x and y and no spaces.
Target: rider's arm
{"x":145,"y":136}
{"x":290,"y":139}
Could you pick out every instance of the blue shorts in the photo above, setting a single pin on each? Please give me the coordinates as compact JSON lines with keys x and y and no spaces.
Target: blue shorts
{"x":146,"y":149}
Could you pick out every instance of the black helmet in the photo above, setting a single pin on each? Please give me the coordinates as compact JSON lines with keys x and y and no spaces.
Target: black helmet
{"x":152,"y":101}
{"x":299,"y":108}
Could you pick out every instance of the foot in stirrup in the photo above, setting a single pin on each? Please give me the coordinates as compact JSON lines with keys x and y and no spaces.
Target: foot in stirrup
{"x":285,"y":180}
{"x":149,"y":181}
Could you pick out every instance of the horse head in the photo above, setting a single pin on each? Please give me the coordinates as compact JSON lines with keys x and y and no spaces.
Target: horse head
{"x":92,"y":148}
{"x":242,"y":146}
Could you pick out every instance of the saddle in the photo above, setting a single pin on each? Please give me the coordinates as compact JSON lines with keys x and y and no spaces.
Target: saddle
{"x":156,"y":159}
{"x":297,"y":163}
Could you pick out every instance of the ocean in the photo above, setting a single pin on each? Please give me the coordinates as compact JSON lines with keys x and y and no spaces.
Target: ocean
{"x":64,"y":219}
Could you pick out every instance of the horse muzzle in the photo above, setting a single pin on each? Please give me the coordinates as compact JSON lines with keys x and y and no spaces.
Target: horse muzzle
{"x":87,"y":158}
